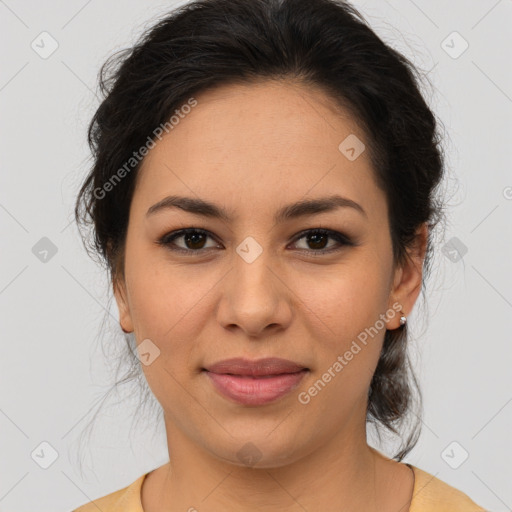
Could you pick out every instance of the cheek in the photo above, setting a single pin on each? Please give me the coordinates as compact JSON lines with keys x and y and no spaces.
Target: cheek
{"x":169,"y":305}
{"x":166,"y":310}
{"x":346,"y":300}
{"x":342,"y":314}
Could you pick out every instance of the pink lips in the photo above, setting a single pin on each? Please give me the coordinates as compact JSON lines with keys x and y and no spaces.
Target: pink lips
{"x":255,"y":382}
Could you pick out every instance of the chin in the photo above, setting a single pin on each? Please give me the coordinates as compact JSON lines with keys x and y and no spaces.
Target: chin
{"x":259,"y":451}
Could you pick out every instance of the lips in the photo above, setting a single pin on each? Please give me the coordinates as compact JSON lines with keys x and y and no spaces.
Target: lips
{"x":257,"y":368}
{"x":255,"y":382}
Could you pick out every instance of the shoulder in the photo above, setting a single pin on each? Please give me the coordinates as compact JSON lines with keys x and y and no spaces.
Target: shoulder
{"x":433,"y":495}
{"x":126,"y":499}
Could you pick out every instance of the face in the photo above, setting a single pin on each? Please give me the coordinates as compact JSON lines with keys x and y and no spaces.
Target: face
{"x":257,"y":279}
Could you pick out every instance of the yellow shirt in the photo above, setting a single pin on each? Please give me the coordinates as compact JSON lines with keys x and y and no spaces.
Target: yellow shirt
{"x":429,"y":495}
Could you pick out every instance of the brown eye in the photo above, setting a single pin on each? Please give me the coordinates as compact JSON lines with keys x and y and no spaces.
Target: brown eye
{"x":317,"y":240}
{"x":193,"y":240}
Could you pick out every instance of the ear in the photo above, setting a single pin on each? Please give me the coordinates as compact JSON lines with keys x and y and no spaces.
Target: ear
{"x":125,"y":319}
{"x":408,"y":277}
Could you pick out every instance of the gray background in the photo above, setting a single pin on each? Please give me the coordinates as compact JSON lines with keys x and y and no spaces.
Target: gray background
{"x":53,"y":368}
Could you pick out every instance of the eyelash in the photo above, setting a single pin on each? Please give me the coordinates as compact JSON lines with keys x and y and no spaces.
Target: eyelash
{"x":342,"y":239}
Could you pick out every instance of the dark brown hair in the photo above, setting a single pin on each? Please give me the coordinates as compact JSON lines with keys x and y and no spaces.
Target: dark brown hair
{"x":322,"y":43}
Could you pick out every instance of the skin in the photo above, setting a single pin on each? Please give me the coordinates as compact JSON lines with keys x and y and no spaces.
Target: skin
{"x":252,"y":149}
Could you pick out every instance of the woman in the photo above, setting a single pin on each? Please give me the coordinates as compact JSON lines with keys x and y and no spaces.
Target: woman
{"x":264,"y":194}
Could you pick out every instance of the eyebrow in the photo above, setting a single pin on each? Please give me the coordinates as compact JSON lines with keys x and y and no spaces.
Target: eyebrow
{"x":288,"y":212}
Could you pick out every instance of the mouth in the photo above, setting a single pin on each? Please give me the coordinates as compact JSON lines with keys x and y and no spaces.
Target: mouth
{"x":255,"y":382}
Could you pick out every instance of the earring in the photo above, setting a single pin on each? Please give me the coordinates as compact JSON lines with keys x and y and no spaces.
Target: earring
{"x":403,"y":318}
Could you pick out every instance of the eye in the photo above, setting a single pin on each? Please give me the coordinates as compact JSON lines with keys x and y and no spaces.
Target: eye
{"x":193,"y":240}
{"x":317,"y":239}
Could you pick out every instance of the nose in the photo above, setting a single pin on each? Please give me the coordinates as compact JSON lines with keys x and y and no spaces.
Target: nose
{"x":256,"y":299}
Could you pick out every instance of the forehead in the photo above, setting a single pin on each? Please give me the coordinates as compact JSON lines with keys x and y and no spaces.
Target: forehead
{"x":257,"y":145}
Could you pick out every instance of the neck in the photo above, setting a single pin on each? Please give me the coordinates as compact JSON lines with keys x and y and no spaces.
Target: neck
{"x":343,"y":474}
